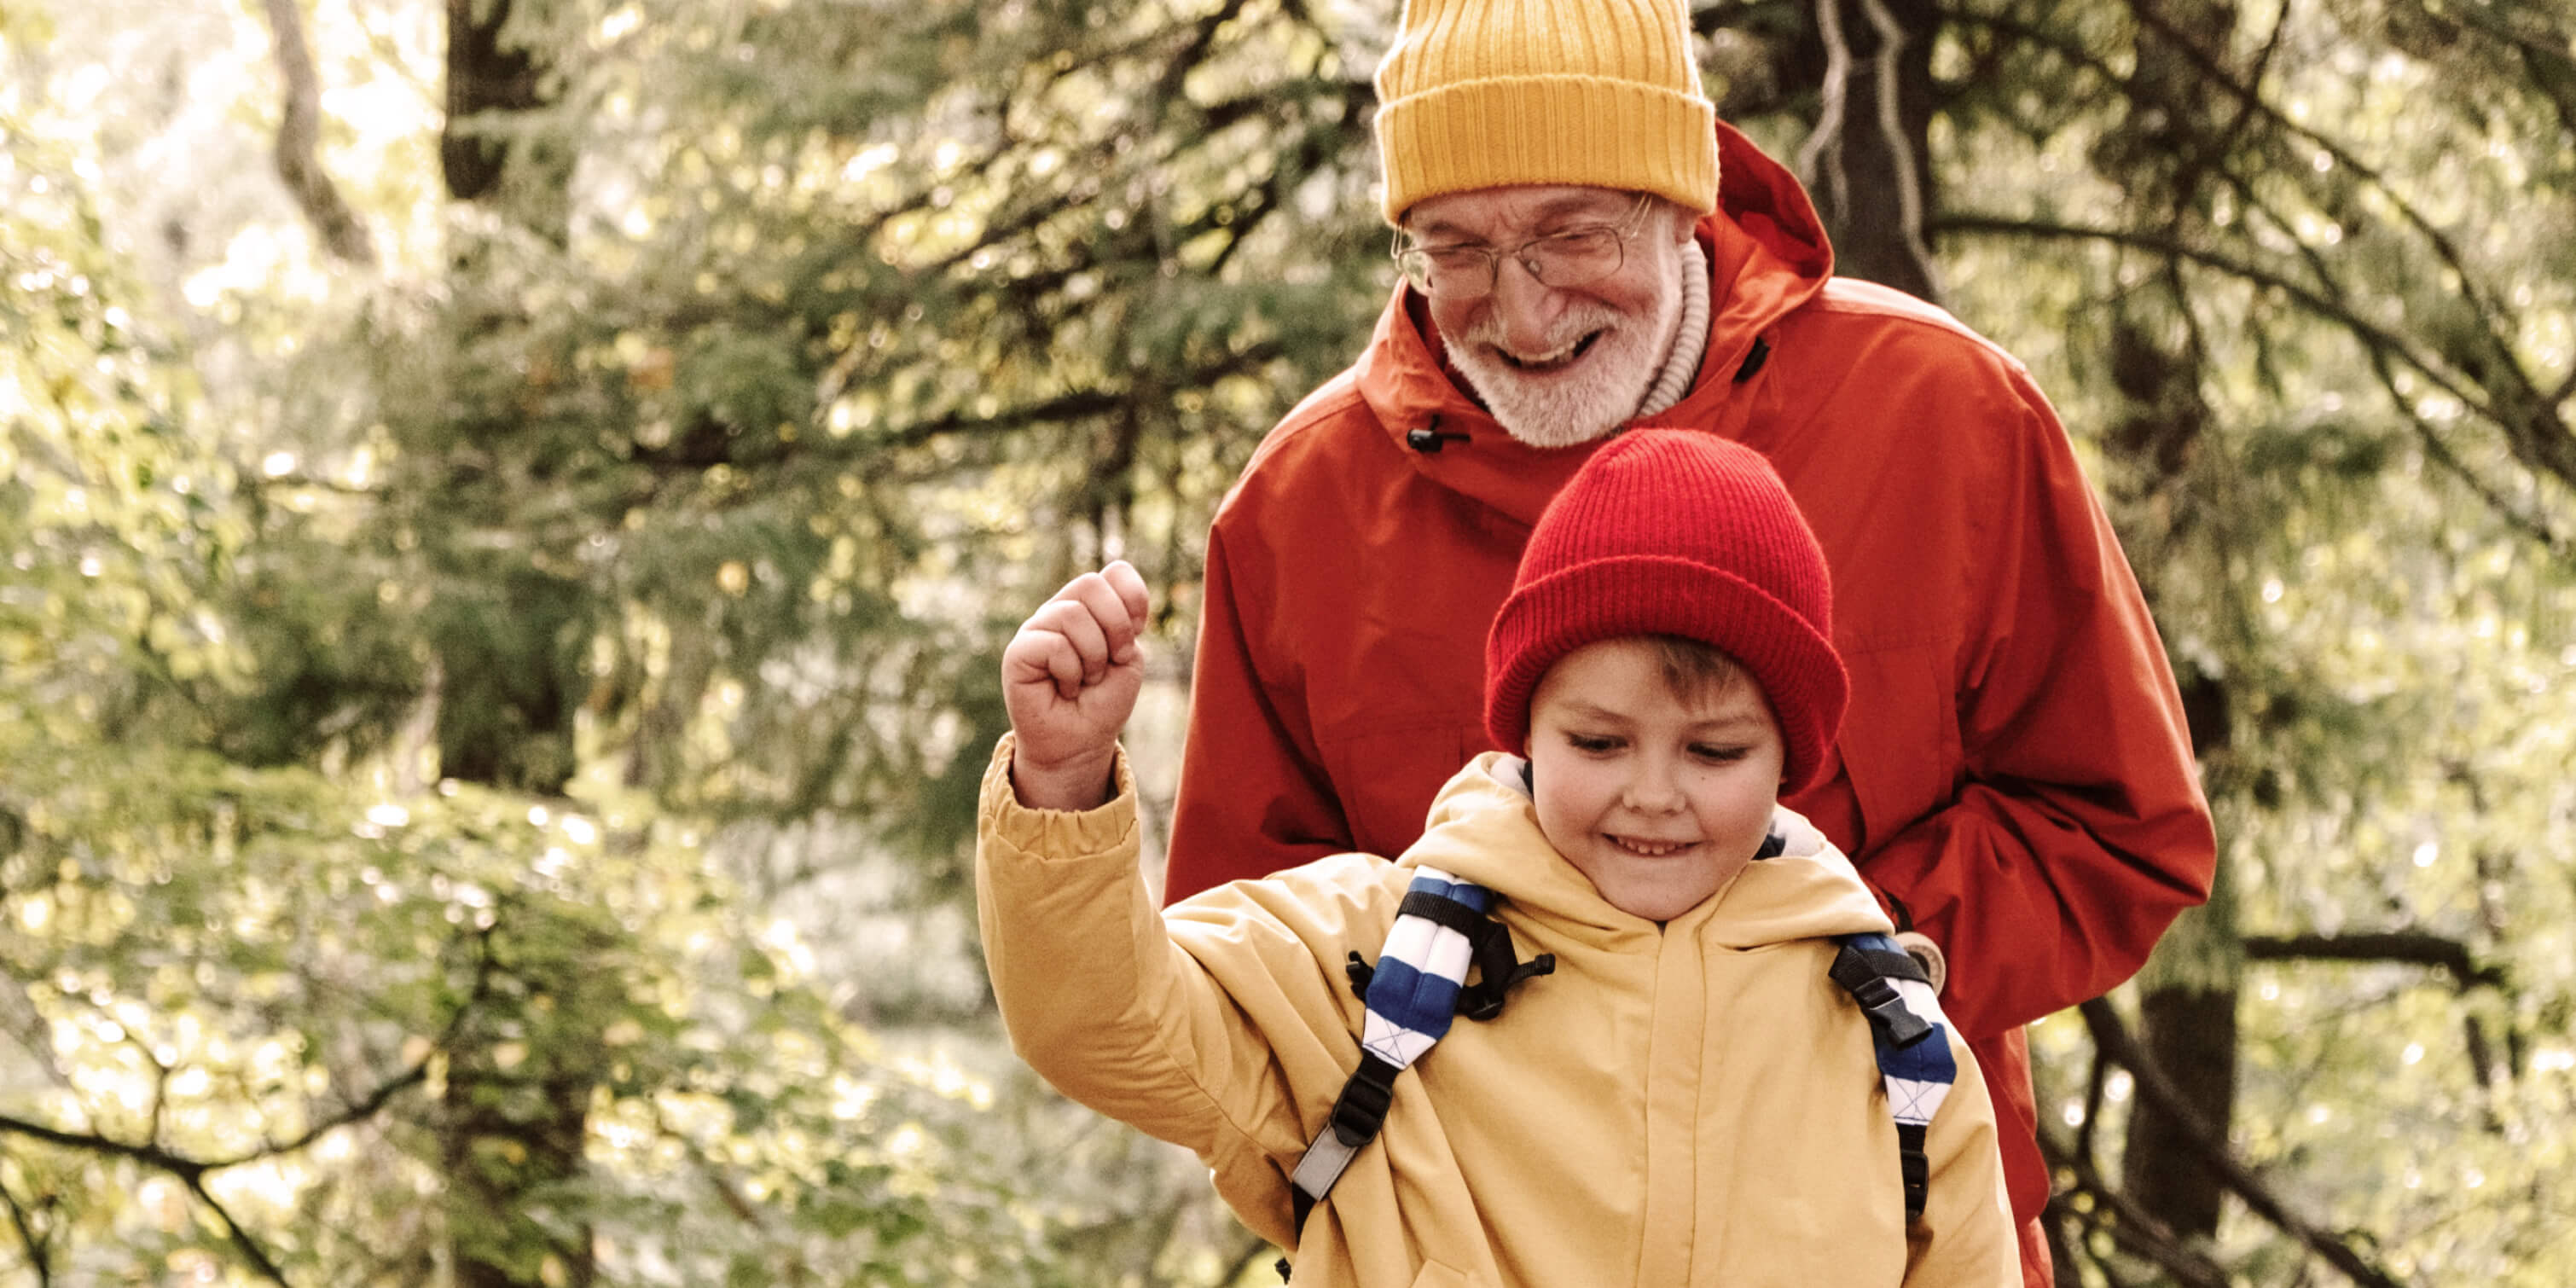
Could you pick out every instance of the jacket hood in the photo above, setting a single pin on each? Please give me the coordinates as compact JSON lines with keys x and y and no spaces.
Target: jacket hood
{"x":1483,"y":827}
{"x":1767,"y":255}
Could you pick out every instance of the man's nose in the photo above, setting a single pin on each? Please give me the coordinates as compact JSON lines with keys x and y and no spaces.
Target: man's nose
{"x":1526,"y":308}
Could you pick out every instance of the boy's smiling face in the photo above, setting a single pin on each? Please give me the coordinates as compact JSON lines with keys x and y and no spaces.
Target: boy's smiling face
{"x":1658,"y":796}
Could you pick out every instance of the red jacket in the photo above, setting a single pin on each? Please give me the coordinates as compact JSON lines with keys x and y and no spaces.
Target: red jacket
{"x":2013,"y":773}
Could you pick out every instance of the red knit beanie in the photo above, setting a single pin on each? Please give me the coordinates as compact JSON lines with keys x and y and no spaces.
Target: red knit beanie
{"x":1675,"y":532}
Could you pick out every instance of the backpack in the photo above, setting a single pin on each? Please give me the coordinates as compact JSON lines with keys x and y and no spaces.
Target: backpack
{"x":1419,"y":984}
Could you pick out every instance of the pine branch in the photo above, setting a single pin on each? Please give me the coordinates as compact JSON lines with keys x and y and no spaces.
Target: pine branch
{"x":2484,"y":352}
{"x":2435,"y":446}
{"x":153,"y":1156}
{"x":2516,"y":515}
{"x":2537,"y":41}
{"x":299,"y":130}
{"x":2538,"y":434}
{"x":1077,"y":405}
{"x":2253,"y":106}
{"x":2326,"y":304}
{"x":1177,"y":69}
{"x":191,"y":1169}
{"x":2112,"y":1037}
{"x":192,"y":1172}
{"x":355,"y":1113}
{"x":2532,"y":429}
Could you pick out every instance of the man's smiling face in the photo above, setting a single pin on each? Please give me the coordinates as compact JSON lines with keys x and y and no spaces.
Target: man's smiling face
{"x":1558,"y":366}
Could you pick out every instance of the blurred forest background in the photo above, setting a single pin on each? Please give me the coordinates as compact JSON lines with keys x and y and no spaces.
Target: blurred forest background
{"x":510,"y":508}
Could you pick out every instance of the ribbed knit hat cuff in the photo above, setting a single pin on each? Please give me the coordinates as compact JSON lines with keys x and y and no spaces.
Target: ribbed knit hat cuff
{"x":1588,"y":131}
{"x":1800,"y":674}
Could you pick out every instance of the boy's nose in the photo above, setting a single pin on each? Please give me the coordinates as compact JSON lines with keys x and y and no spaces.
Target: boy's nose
{"x":1652,"y":791}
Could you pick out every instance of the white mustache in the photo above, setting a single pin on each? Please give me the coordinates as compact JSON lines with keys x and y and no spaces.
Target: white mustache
{"x":1571,"y":332}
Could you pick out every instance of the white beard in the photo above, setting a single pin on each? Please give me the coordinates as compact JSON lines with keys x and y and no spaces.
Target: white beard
{"x":1578,"y":406}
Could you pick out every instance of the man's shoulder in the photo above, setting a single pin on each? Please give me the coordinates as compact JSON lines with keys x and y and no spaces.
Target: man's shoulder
{"x":1892,"y":316}
{"x":1323,"y":427}
{"x":1332,"y":437}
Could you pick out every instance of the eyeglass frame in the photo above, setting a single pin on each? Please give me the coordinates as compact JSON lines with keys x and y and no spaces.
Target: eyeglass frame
{"x":1625,"y":230}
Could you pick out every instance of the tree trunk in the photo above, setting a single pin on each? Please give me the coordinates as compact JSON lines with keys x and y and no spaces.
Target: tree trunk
{"x":2188,"y":993}
{"x":1868,"y":165}
{"x":492,"y":72}
{"x":2188,"y":1024}
{"x":516,"y":1109}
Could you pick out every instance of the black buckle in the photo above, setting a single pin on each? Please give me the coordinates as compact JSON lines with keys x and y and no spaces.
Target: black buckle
{"x":1889,"y":1014}
{"x":1361,"y":1111}
{"x":1492,"y":946}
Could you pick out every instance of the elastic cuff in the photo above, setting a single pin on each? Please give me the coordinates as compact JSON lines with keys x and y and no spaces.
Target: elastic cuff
{"x":1056,"y":834}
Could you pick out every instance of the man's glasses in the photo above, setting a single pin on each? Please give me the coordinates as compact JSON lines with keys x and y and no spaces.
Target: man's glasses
{"x":1467,"y":270}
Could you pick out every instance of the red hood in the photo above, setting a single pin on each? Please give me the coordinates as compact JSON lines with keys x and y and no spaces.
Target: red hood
{"x":1767,"y":254}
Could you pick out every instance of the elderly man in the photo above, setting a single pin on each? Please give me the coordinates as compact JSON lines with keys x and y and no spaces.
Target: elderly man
{"x":1586,"y":248}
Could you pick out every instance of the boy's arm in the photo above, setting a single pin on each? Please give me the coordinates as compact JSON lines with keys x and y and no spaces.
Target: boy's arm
{"x":1213,"y":1030}
{"x":1087,"y":982}
{"x":1966,"y":1238}
{"x":1085,"y":976}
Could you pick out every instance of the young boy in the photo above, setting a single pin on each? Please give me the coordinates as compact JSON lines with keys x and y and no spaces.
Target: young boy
{"x":1688,"y":1098}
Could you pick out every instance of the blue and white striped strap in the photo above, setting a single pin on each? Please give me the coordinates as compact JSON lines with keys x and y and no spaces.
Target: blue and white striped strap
{"x":1412,"y":998}
{"x":1911,"y":1038}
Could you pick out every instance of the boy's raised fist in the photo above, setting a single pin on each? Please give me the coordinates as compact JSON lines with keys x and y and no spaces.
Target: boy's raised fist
{"x":1069,"y":679}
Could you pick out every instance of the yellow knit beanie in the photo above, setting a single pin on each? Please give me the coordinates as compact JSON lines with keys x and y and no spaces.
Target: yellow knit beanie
{"x":1601,"y":93}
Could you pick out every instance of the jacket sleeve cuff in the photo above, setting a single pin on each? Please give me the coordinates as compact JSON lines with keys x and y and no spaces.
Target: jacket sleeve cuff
{"x":1056,"y":835}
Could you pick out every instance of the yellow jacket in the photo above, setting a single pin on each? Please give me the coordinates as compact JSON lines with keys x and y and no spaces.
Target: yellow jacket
{"x":1690,"y":1104}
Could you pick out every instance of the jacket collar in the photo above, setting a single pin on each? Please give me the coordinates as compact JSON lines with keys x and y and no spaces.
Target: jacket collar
{"x":1483,"y":828}
{"x":1767,"y":255}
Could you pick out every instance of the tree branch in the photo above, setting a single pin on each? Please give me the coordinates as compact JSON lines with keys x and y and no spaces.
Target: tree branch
{"x":178,"y":1165}
{"x":2111,"y":1036}
{"x":39,"y":1248}
{"x":2129,"y":1225}
{"x":192,"y":1172}
{"x":189,"y":1169}
{"x":2406,"y":947}
{"x":2313,"y":299}
{"x":355,"y":1113}
{"x":242,"y":1242}
{"x":299,"y":132}
{"x":1077,"y":405}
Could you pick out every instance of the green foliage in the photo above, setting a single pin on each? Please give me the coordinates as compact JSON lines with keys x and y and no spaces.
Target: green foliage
{"x":2278,"y":271}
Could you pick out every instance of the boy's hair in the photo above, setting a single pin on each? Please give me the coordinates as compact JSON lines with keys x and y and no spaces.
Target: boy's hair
{"x":1694,"y":669}
{"x":1682,"y":533}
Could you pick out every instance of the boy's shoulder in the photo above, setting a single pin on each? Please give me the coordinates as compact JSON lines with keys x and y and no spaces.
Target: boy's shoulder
{"x":1326,"y":901}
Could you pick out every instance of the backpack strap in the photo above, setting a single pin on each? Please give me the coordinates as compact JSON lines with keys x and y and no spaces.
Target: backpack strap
{"x":1912,"y":1040}
{"x":1418,"y":985}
